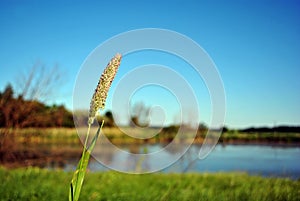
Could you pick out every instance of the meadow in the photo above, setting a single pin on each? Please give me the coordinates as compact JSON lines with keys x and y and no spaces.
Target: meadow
{"x":40,"y":184}
{"x":30,"y":183}
{"x":114,"y":134}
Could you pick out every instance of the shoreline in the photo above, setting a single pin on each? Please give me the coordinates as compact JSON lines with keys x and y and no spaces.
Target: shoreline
{"x":56,"y":155}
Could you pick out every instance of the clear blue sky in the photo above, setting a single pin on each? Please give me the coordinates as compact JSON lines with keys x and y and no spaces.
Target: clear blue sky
{"x":254,"y":44}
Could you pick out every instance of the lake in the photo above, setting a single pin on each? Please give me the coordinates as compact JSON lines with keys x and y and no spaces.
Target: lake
{"x":277,"y":161}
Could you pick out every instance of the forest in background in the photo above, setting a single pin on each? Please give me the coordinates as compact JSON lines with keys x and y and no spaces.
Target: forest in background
{"x":18,"y":112}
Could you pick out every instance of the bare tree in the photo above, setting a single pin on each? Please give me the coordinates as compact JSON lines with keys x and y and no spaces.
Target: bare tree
{"x":39,"y":82}
{"x":140,"y":115}
{"x":25,"y":107}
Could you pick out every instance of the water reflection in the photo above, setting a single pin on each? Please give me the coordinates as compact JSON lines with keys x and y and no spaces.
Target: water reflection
{"x":254,"y":159}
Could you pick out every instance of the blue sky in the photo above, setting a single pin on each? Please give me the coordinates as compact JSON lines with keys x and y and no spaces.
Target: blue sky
{"x":254,"y":44}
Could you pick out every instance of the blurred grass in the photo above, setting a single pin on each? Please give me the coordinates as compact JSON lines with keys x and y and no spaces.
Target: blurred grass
{"x":261,"y":136}
{"x":38,"y":184}
{"x":43,"y":135}
{"x":117,"y":135}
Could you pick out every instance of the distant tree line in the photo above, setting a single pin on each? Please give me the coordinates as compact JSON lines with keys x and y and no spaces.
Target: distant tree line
{"x":18,"y":112}
{"x":81,"y":118}
{"x":283,"y":129}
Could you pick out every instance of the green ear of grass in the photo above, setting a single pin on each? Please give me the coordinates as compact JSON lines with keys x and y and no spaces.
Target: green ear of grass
{"x":79,"y":174}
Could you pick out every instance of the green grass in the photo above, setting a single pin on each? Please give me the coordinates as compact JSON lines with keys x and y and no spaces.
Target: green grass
{"x":69,"y":135}
{"x":37,"y":184}
{"x":267,"y":137}
{"x":42,"y":135}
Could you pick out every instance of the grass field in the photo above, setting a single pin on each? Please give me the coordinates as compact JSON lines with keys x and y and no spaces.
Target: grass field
{"x":69,"y":135}
{"x":38,"y":184}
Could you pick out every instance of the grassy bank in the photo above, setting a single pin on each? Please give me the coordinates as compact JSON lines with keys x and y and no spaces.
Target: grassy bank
{"x":260,"y":137}
{"x":37,"y":184}
{"x":116,"y":135}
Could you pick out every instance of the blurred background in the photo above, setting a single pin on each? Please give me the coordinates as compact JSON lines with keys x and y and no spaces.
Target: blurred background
{"x":254,"y":45}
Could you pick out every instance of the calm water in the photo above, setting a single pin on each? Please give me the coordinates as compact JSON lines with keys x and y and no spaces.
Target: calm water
{"x":276,"y":161}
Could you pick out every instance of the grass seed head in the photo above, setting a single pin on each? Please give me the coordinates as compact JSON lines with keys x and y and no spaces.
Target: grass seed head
{"x":101,"y":91}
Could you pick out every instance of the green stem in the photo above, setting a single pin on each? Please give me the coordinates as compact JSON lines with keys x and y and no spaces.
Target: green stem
{"x":79,"y":174}
{"x":87,"y":137}
{"x":84,"y":147}
{"x":83,"y":156}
